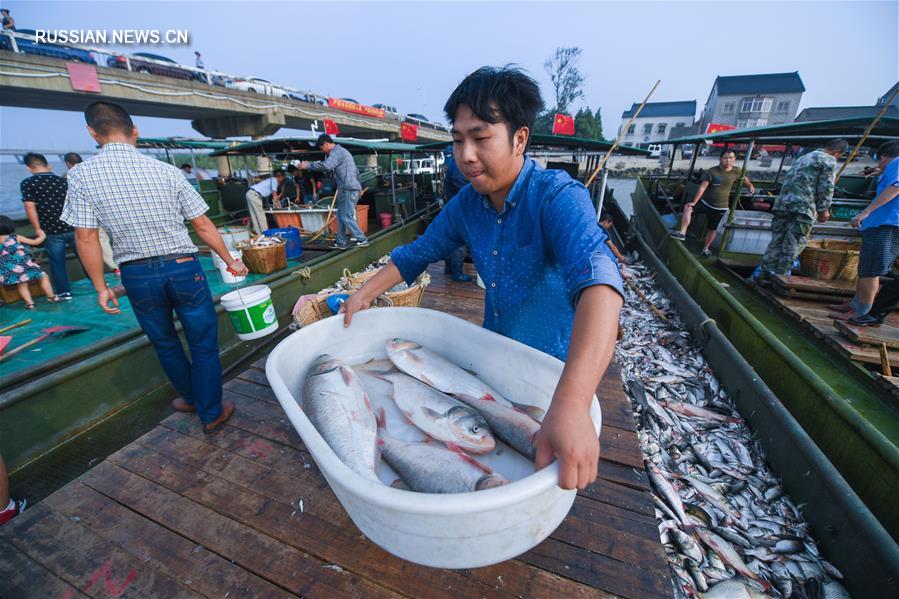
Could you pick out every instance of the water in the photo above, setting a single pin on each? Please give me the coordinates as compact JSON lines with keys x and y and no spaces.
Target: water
{"x":11,"y":175}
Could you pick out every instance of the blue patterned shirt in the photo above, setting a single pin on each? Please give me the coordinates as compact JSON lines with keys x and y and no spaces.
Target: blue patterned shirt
{"x":888,"y":214}
{"x":535,"y":256}
{"x":140,"y":201}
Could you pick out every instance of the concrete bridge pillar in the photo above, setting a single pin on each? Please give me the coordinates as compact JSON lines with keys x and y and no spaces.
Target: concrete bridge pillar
{"x":253,"y":125}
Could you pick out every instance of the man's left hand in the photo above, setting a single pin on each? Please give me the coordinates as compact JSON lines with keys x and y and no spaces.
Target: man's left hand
{"x":568,"y":434}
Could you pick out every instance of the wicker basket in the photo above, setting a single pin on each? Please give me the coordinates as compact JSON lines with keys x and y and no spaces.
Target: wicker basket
{"x":410,"y":297}
{"x":355,"y":280}
{"x":830,"y":259}
{"x":264,"y":260}
{"x":313,"y":309}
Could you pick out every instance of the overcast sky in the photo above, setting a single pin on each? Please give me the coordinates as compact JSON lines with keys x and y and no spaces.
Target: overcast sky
{"x":412,"y":54}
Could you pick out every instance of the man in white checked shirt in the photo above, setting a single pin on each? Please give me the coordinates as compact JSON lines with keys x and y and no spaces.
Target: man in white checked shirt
{"x":143,"y":203}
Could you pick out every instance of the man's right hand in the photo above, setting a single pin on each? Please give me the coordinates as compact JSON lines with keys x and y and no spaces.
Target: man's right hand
{"x":106,"y":296}
{"x":357,"y":301}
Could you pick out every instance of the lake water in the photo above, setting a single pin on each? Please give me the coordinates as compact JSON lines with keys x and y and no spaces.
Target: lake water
{"x":11,"y":175}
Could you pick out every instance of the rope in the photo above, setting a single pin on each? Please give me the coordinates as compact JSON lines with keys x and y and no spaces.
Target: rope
{"x":304,"y":273}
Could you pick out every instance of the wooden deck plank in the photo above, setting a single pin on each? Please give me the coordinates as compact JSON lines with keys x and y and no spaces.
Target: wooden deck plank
{"x":870,"y":335}
{"x":84,"y":559}
{"x":173,"y":555}
{"x":251,"y":549}
{"x":21,"y":576}
{"x":341,"y":544}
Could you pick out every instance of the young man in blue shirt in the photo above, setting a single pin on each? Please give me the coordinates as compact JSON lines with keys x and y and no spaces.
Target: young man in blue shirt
{"x":879,"y":225}
{"x":552,"y":283}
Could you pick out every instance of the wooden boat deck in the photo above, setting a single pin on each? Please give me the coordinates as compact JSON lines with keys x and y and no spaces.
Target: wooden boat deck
{"x":245,"y":513}
{"x":813,"y":315}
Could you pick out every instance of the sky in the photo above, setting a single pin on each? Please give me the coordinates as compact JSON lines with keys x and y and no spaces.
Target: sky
{"x":412,"y":54}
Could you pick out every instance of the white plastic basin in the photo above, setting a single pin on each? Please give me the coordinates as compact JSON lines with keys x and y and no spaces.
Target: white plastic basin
{"x":464,"y":530}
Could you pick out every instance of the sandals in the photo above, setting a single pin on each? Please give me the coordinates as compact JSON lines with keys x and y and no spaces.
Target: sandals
{"x":55,"y":299}
{"x":29,"y":306}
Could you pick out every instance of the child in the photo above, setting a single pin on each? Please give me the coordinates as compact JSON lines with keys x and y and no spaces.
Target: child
{"x":16,"y":265}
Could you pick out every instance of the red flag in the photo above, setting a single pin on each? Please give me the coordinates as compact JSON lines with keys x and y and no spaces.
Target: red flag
{"x":331,"y":127}
{"x":408,"y":132}
{"x":563,"y":125}
{"x":83,"y":77}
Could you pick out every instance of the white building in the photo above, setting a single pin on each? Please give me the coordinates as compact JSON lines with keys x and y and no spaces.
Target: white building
{"x":655,"y":122}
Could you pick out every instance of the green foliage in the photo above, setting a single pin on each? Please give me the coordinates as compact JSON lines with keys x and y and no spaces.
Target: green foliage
{"x":565,"y":76}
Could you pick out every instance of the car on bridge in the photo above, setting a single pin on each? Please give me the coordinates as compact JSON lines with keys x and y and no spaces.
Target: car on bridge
{"x":257,"y":85}
{"x":390,"y":111}
{"x":144,"y":62}
{"x":31,"y":46}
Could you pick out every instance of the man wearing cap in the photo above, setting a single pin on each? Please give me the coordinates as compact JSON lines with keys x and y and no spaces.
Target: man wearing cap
{"x":340,"y":163}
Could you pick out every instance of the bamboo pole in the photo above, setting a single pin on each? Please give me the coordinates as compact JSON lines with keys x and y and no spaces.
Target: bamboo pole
{"x":643,"y":297}
{"x":15,"y":326}
{"x":885,"y":360}
{"x":621,"y":134}
{"x":861,"y":142}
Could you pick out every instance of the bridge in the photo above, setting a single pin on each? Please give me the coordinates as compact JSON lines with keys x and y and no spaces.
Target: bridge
{"x":32,"y":81}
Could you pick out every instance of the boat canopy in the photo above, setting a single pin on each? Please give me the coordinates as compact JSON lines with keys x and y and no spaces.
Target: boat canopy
{"x":304,"y":147}
{"x":181,"y":143}
{"x":807,"y":132}
{"x":543,"y":141}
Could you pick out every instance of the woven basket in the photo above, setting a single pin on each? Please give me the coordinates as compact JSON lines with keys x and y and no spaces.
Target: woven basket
{"x":313,"y":309}
{"x":830,"y":259}
{"x":410,"y":297}
{"x":356,"y":280}
{"x":264,"y":260}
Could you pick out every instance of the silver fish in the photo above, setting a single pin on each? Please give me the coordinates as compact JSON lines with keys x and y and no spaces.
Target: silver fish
{"x":440,"y":416}
{"x":434,"y":468}
{"x":508,"y":422}
{"x":667,"y":491}
{"x":727,"y":553}
{"x":438,"y":372}
{"x":338,"y":407}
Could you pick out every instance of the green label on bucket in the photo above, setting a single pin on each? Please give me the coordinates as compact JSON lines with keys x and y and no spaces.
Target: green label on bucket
{"x":241,"y":322}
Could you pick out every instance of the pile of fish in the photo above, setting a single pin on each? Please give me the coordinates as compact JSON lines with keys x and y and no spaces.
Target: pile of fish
{"x":456,"y":412}
{"x":728,"y":527}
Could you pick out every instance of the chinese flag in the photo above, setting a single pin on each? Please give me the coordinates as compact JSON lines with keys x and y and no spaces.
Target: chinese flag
{"x":563,"y":125}
{"x":331,"y":127}
{"x":408,"y":132}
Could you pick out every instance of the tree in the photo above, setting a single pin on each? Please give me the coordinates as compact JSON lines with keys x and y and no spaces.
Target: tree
{"x":585,"y":124}
{"x":598,"y":119}
{"x":565,"y":76}
{"x":544,"y":122}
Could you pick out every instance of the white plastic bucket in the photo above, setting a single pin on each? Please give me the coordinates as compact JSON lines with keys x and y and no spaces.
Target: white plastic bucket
{"x":251,"y":311}
{"x":227,"y":277}
{"x":456,"y":530}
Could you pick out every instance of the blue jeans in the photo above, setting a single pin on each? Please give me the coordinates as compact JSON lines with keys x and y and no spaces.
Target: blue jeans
{"x":55,"y":245}
{"x":157,"y":287}
{"x":346,"y":217}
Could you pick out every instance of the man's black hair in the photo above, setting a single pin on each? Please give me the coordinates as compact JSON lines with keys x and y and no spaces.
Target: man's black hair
{"x":187,"y":166}
{"x":6,"y":10}
{"x":496,"y":95}
{"x":889,"y":149}
{"x":278,"y":171}
{"x":7,"y":227}
{"x":729,"y":151}
{"x":292,"y":169}
{"x":108,"y":117}
{"x":323,"y":139}
{"x":73,"y":158}
{"x":33,"y":159}
{"x":837,"y":145}
{"x":605,"y":216}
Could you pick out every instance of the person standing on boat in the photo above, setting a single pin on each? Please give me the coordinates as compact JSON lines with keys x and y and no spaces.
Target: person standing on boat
{"x":143,"y":203}
{"x":71,"y":159}
{"x":552,"y":282}
{"x":879,"y":226}
{"x":259,"y":200}
{"x":44,"y":195}
{"x":804,"y":198}
{"x":713,"y":198}
{"x":453,"y":182}
{"x":340,"y":163}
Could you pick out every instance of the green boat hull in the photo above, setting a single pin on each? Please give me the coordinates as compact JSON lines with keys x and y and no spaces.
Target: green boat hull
{"x":847,"y":414}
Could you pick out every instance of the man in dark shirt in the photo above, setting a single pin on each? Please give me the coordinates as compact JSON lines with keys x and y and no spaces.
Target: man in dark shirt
{"x":44,"y":195}
{"x":453,"y":182}
{"x":712,"y":198}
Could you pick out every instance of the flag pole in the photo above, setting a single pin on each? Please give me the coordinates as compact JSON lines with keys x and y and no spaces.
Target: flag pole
{"x":621,"y":134}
